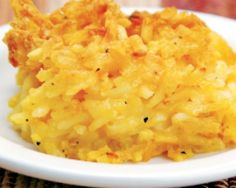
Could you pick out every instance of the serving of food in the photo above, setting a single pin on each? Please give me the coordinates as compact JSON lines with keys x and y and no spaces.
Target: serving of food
{"x":98,"y":85}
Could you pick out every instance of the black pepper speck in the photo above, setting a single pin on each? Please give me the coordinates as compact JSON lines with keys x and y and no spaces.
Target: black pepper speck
{"x":145,"y":119}
{"x":107,"y":50}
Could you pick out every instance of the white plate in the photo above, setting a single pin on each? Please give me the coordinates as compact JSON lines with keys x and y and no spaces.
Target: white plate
{"x":21,"y":157}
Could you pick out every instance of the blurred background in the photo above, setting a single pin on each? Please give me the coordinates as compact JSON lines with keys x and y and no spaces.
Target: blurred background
{"x":220,"y":7}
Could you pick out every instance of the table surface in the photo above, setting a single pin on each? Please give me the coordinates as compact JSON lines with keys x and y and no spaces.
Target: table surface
{"x":10,"y":179}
